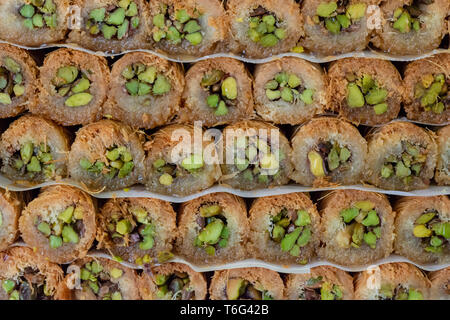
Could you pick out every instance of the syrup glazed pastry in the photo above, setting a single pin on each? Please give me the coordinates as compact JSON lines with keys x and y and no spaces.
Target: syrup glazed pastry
{"x":59,"y":224}
{"x":246,"y":284}
{"x":145,"y":90}
{"x":34,"y":22}
{"x":11,"y":205}
{"x":357,"y":227}
{"x":411,"y":26}
{"x":34,"y":150}
{"x":101,"y":279}
{"x":440,"y":284}
{"x":284,"y":229}
{"x":261,"y":28}
{"x":106,"y":155}
{"x":110,"y":25}
{"x":442,"y":175}
{"x":289,"y":90}
{"x":136,"y":230}
{"x":218,"y":91}
{"x":336,"y":27}
{"x":427,"y":96}
{"x":213,"y":229}
{"x":189,"y":28}
{"x":256,"y":155}
{"x":322,"y":283}
{"x":392,"y":281}
{"x":26,"y":275}
{"x":18,"y":72}
{"x":401,"y":156}
{"x":173,"y":281}
{"x":365,"y":91}
{"x":328,"y":150}
{"x":73,"y":85}
{"x":174,"y":165}
{"x":422,"y":229}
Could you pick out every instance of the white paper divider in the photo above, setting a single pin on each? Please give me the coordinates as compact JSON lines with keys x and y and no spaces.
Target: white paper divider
{"x":368,"y":53}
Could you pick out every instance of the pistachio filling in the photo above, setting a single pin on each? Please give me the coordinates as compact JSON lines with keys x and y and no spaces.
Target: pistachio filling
{"x":117,"y":162}
{"x":406,"y":165}
{"x":136,"y":229}
{"x":339,"y":16}
{"x":221,"y":89}
{"x":175,"y":286}
{"x":32,"y":160}
{"x":255,"y":158}
{"x":240,"y":289}
{"x":327,"y":157}
{"x":432,"y":92}
{"x":388,"y":292}
{"x":365,"y":91}
{"x":28,"y":285}
{"x":11,"y":81}
{"x":114,"y":21}
{"x":362,"y":225}
{"x":68,"y":227}
{"x":101,"y":282}
{"x":407,"y":18}
{"x":73,"y":85}
{"x":288,"y":87}
{"x":434,"y":232}
{"x":169,"y":171}
{"x":291,"y":229}
{"x":39,"y":14}
{"x":265,"y":28}
{"x":214,"y":232}
{"x":144,"y":80}
{"x":177,"y":26}
{"x":318,"y":289}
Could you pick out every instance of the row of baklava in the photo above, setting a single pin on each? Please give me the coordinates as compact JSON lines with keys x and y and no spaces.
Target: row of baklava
{"x":353,"y":228}
{"x":25,"y":275}
{"x":253,"y":28}
{"x":145,"y":91}
{"x":179,"y":160}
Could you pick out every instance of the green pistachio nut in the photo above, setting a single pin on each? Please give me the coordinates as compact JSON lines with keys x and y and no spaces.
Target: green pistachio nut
{"x":326,"y":9}
{"x":289,"y":239}
{"x":211,"y":233}
{"x":79,"y":99}
{"x":355,"y":98}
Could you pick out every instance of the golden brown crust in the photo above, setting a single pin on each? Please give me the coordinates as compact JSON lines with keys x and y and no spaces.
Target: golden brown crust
{"x":167,"y":144}
{"x":428,"y":38}
{"x":195,"y":107}
{"x":283,"y":112}
{"x":322,"y":130}
{"x":388,"y":140}
{"x":260,"y":214}
{"x":440,"y":284}
{"x":287,"y":11}
{"x":127,"y":283}
{"x":369,"y":282}
{"x":146,"y":111}
{"x":295,"y":283}
{"x":382,"y":71}
{"x":162,"y":217}
{"x":46,"y":207}
{"x":51,"y":105}
{"x":148,"y":288}
{"x":92,"y":142}
{"x":268,"y":279}
{"x":213,"y":23}
{"x":11,"y":204}
{"x":35,"y":129}
{"x":29,"y":72}
{"x":235,"y":213}
{"x":406,"y":244}
{"x":332,"y":224}
{"x":442,"y":175}
{"x":15,"y":260}
{"x":82,"y":37}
